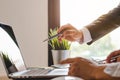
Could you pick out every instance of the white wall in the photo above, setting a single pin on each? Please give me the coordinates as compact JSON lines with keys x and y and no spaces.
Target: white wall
{"x":29,"y":19}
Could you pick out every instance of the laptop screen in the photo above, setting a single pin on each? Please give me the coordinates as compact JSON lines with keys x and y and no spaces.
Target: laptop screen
{"x":10,"y":53}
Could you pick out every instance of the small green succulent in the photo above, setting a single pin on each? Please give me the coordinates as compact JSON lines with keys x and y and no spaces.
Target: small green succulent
{"x":56,"y":44}
{"x":6,"y":60}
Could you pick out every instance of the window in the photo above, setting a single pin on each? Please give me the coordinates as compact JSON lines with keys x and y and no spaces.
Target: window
{"x":82,"y":12}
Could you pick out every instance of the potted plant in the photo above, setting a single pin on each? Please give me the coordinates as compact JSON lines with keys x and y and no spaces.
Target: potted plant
{"x":9,"y":64}
{"x":60,"y":49}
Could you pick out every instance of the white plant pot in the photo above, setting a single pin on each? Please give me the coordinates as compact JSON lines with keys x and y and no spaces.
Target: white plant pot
{"x":59,"y":55}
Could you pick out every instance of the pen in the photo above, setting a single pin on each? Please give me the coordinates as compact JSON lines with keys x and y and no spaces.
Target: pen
{"x":50,"y":38}
{"x":115,"y":57}
{"x":104,"y":61}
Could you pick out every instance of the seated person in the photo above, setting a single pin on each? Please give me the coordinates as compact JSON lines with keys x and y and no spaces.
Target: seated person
{"x":83,"y":68}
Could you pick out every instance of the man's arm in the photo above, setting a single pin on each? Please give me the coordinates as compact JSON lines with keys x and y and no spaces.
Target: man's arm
{"x":83,"y":68}
{"x":104,"y":24}
{"x":99,"y":74}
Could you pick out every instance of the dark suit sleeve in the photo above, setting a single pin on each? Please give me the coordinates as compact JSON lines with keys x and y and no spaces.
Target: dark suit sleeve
{"x":104,"y":24}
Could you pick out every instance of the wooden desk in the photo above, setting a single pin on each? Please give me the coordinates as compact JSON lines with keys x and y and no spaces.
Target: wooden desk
{"x":4,"y":78}
{"x":32,"y":79}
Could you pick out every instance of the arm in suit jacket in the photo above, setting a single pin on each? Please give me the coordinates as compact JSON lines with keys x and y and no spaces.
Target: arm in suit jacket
{"x":104,"y":24}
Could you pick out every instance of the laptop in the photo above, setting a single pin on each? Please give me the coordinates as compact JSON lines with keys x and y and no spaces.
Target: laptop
{"x":14,"y":63}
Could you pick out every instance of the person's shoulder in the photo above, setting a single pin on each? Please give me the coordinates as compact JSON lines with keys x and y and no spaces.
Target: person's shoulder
{"x":118,"y":6}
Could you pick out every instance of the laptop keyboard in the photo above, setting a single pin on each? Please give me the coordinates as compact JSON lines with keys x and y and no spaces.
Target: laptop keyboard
{"x":36,"y":72}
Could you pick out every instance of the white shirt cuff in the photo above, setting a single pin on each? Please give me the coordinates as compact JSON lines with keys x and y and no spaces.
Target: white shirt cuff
{"x":113,"y":69}
{"x":86,"y":36}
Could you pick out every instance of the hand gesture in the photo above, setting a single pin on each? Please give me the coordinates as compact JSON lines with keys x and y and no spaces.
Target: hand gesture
{"x":80,"y":67}
{"x":112,"y":57}
{"x":70,"y":33}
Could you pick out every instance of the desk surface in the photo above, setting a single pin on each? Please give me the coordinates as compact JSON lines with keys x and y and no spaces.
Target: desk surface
{"x":4,"y":78}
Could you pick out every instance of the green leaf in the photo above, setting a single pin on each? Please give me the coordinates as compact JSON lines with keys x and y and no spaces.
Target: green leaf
{"x":55,"y":43}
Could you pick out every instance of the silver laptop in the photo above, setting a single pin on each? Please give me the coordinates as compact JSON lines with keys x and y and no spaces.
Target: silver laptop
{"x":13,"y":60}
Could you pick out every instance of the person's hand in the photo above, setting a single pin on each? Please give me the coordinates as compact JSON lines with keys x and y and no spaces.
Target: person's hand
{"x":70,"y":33}
{"x":80,"y":67}
{"x":113,"y":54}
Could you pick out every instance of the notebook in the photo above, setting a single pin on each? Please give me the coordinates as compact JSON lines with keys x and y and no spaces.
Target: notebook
{"x":13,"y":60}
